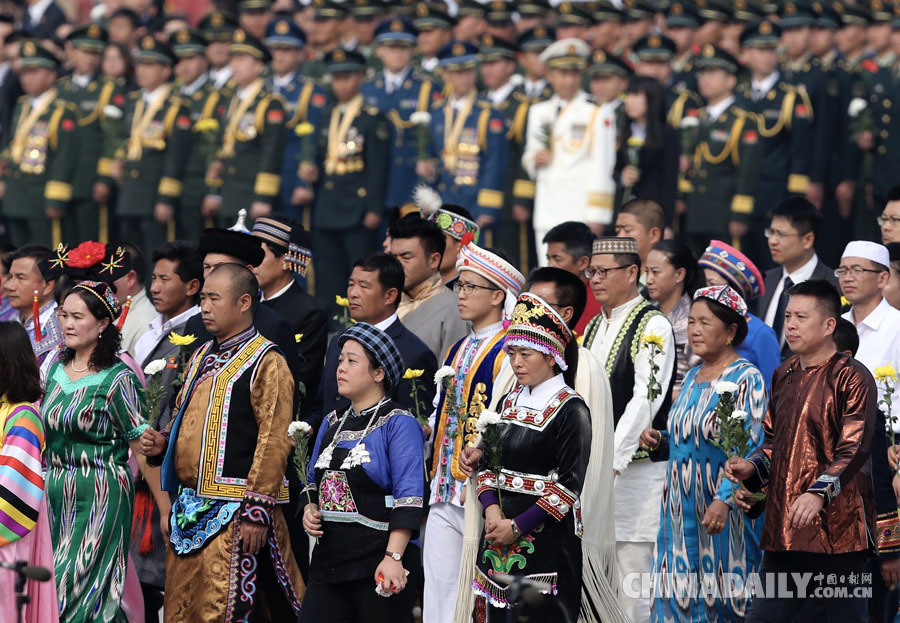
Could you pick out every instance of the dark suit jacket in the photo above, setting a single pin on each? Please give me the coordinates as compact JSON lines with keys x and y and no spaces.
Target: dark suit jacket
{"x":303,"y":312}
{"x":10,"y":91}
{"x":416,"y":356}
{"x":165,"y":350}
{"x":773,"y":276}
{"x":52,"y":18}
{"x":659,"y":172}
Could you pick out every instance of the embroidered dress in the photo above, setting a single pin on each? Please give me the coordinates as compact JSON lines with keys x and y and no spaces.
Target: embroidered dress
{"x":696,"y":477}
{"x":545,"y":449}
{"x":90,"y":494}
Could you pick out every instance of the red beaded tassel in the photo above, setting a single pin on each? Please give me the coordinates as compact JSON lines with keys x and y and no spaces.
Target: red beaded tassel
{"x":36,"y":317}
{"x":124,"y":315}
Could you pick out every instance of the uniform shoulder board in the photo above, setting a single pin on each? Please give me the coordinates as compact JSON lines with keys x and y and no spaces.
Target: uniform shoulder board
{"x":372,"y":110}
{"x":134,"y":95}
{"x":484,"y":103}
{"x":22,"y":98}
{"x":519,"y":96}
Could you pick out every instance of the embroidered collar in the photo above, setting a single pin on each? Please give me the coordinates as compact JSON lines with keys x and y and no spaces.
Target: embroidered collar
{"x":244,"y":336}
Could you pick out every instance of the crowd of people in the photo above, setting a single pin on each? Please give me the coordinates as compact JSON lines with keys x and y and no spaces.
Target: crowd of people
{"x":449,"y":312}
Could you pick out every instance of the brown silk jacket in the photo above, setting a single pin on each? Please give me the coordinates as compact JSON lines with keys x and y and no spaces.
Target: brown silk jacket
{"x":818,"y":436}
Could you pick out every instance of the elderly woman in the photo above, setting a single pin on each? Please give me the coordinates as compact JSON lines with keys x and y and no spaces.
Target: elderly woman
{"x":92,"y":411}
{"x":366,"y":482}
{"x":530,"y":489}
{"x":702,"y":533}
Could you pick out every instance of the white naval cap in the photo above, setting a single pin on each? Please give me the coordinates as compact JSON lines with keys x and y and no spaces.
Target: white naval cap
{"x":868,"y":250}
{"x":570,"y":53}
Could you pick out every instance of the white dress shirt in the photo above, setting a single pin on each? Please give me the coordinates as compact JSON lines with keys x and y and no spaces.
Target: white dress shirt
{"x":81,"y":80}
{"x":761,"y":87}
{"x":498,"y":95}
{"x":157,"y":331}
{"x":804,"y":273}
{"x":879,"y":345}
{"x":190,"y":89}
{"x":384,"y":324}
{"x":393,"y":81}
{"x":150,"y":97}
{"x":36,"y":11}
{"x":542,"y":394}
{"x":220,"y":77}
{"x":263,"y":297}
{"x":715,"y":110}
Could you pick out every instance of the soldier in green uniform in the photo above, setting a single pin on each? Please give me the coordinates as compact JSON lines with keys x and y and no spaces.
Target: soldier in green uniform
{"x":353,"y":154}
{"x":472,"y":22}
{"x":99,"y":101}
{"x":516,"y":234}
{"x":682,"y":22}
{"x":499,"y":18}
{"x":366,"y":15}
{"x":638,"y":21}
{"x":254,"y":16}
{"x":39,"y":162}
{"x":724,"y":157}
{"x":435,"y":28}
{"x":532,"y":13}
{"x":531,"y":43}
{"x":156,"y":150}
{"x":606,"y":34}
{"x":218,"y":28}
{"x":207,"y":108}
{"x":325,"y":36}
{"x":251,"y":146}
{"x":573,"y":20}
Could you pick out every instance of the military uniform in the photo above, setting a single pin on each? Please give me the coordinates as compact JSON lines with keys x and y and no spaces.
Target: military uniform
{"x":316,"y":67}
{"x":399,"y":97}
{"x":431,"y":17}
{"x":353,"y":152}
{"x":99,"y":101}
{"x":218,"y":27}
{"x":155,"y":154}
{"x":40,"y":159}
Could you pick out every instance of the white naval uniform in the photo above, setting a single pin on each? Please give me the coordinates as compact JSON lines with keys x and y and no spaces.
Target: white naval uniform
{"x":578,"y":183}
{"x":639,"y":486}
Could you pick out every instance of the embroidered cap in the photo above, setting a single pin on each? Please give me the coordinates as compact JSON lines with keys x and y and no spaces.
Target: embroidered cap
{"x":734,"y":267}
{"x":89,"y":261}
{"x":105,"y":293}
{"x":381,"y":347}
{"x":614,"y":245}
{"x":432,"y":208}
{"x":495,"y":269}
{"x":724,"y":295}
{"x":536,"y":325}
{"x":289,"y":236}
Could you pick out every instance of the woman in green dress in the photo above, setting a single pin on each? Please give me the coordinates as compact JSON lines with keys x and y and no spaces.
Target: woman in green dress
{"x":92,"y":411}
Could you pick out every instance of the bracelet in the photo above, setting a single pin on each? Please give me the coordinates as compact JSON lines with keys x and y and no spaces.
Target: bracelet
{"x":658,"y":441}
{"x":515,"y":529}
{"x":308,"y":510}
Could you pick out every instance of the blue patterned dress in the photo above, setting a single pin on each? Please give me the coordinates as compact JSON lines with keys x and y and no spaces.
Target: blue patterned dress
{"x":696,"y":477}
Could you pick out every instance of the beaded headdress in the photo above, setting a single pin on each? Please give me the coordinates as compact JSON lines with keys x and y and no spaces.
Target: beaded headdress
{"x":538,"y":326}
{"x":106,"y":295}
{"x":724,"y":295}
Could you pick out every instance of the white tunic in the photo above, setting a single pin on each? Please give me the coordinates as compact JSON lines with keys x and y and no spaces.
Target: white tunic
{"x":879,"y":345}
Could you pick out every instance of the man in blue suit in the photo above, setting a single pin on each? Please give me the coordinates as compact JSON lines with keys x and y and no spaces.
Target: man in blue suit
{"x":399,"y":92}
{"x":304,"y":101}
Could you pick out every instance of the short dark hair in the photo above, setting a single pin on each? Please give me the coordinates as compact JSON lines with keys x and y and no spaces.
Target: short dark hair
{"x":389,"y":269}
{"x":106,"y":352}
{"x":570,"y":290}
{"x":679,"y":255}
{"x":826,"y":295}
{"x":429,"y":234}
{"x":892,"y":247}
{"x":628,"y":259}
{"x":37,"y":252}
{"x":846,"y":337}
{"x":648,"y":212}
{"x":138,"y":263}
{"x":242,"y":281}
{"x":578,"y":238}
{"x":801,"y":214}
{"x":894,"y":194}
{"x":20,"y":378}
{"x":6,"y":249}
{"x":186,"y":255}
{"x":128,"y":14}
{"x":729,"y":317}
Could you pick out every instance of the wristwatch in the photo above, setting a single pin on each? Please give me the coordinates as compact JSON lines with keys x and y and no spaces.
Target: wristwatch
{"x":515,"y":529}
{"x":394,"y":555}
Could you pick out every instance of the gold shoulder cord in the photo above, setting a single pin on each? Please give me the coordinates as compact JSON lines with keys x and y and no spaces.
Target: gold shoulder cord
{"x":784,"y":116}
{"x":703,"y":152}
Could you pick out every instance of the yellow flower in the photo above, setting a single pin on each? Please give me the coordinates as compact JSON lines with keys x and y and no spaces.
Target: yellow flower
{"x":885,"y":373}
{"x":206,"y":125}
{"x":412,"y":374}
{"x":845,"y":302}
{"x":635,"y":141}
{"x":652,"y":339}
{"x":298,"y":337}
{"x":182,"y":340}
{"x":304,"y":128}
{"x":342,"y":301}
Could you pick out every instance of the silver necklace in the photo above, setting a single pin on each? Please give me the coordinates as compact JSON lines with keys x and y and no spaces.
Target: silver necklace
{"x":358,"y":454}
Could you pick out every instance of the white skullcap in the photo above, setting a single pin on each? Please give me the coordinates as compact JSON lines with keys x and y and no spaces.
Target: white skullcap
{"x":868,"y":250}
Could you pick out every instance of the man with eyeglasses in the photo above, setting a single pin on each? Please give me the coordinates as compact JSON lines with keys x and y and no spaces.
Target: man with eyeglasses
{"x":889,"y":221}
{"x":863,"y":274}
{"x":487,"y":288}
{"x":614,"y":336}
{"x":792,"y":237}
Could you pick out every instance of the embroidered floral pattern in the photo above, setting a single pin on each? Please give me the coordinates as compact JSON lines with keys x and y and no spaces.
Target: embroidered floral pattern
{"x":336,"y":495}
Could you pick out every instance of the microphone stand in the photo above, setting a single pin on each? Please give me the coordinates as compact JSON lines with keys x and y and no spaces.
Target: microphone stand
{"x":21,"y":597}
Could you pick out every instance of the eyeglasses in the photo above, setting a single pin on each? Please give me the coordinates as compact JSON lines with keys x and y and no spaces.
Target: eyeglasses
{"x":469,"y":288}
{"x":884,"y":220}
{"x":774,"y":233}
{"x":857,"y":271}
{"x":601,"y":273}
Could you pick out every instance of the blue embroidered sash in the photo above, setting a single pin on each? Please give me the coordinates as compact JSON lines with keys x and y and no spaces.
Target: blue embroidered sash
{"x":195,"y":520}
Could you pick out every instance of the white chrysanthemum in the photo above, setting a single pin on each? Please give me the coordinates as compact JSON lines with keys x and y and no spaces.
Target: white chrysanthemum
{"x":154,"y":367}
{"x":420,"y":117}
{"x":726,"y":387}
{"x":689,"y":122}
{"x":112,"y":112}
{"x":299,"y":427}
{"x":444,"y":372}
{"x":487,"y":418}
{"x":737,"y":414}
{"x":857,"y":105}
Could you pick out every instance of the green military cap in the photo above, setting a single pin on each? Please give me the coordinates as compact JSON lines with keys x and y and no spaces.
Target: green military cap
{"x":499,"y":12}
{"x":340,"y":60}
{"x":827,"y":16}
{"x":761,"y":34}
{"x":853,"y":14}
{"x":748,"y":11}
{"x":328,"y":9}
{"x":895,"y":23}
{"x":654,"y":48}
{"x":638,"y":10}
{"x":570,"y":53}
{"x":150,"y":50}
{"x":682,"y":14}
{"x":713,"y":10}
{"x":403,"y":8}
{"x":533,"y":8}
{"x":245,"y":43}
{"x":536,"y":39}
{"x":34,"y":56}
{"x":713,"y":57}
{"x":249,"y":6}
{"x":606,"y":11}
{"x":471,"y":8}
{"x":187,"y":42}
{"x":90,"y":37}
{"x":494,"y":49}
{"x":218,"y":26}
{"x":797,"y":13}
{"x":880,"y":11}
{"x":573,"y":14}
{"x":430,"y":16}
{"x":366,"y":8}
{"x":605,"y":64}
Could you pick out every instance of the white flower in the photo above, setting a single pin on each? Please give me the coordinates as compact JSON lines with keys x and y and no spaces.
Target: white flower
{"x":299,"y":427}
{"x":112,"y":112}
{"x":726,"y":387}
{"x":487,"y":418}
{"x":155,"y":366}
{"x":420,"y":117}
{"x":737,"y":414}
{"x":689,"y":122}
{"x":857,"y":105}
{"x":444,"y":372}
